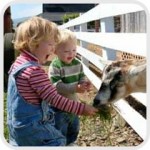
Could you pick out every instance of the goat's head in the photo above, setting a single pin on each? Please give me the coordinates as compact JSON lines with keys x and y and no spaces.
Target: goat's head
{"x":116,"y":82}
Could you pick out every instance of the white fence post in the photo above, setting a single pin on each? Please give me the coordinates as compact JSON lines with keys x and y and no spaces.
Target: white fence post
{"x":107,"y":25}
{"x":83,"y":28}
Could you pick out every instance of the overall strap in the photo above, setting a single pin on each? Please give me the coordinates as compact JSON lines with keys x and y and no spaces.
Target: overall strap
{"x":23,"y":66}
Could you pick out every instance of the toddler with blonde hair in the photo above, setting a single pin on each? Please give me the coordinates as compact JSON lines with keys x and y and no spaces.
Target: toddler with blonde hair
{"x":66,"y":73}
{"x":30,"y":118}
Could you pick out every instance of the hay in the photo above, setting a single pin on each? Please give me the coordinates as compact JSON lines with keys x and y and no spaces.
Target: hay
{"x":105,"y":113}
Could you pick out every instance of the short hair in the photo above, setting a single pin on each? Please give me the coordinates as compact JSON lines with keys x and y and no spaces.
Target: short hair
{"x":32,"y":31}
{"x":65,"y":37}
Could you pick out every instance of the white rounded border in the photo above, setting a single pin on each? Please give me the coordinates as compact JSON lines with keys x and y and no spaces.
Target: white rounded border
{"x":5,"y":3}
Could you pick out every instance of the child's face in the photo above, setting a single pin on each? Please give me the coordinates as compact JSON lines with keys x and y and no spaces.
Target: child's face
{"x":67,"y":52}
{"x":44,"y":50}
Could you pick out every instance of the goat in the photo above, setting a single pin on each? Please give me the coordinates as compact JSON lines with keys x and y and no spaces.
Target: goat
{"x":120,"y":79}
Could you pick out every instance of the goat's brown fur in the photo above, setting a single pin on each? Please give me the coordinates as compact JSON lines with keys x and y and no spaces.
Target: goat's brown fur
{"x":121,"y":78}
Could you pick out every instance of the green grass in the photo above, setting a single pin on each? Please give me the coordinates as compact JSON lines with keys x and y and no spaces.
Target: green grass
{"x":6,"y":133}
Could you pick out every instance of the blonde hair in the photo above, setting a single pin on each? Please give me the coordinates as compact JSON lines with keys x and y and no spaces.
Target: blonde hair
{"x":66,"y":36}
{"x":31,"y":32}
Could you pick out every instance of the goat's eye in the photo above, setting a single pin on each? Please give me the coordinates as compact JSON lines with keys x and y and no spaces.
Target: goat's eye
{"x":108,"y":68}
{"x":119,"y":74}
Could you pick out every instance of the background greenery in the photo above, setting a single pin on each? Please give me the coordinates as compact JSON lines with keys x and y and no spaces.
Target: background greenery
{"x":5,"y":118}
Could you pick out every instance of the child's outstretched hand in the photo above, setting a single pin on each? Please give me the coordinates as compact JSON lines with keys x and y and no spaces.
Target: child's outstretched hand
{"x":89,"y":110}
{"x":83,"y":87}
{"x":87,"y":85}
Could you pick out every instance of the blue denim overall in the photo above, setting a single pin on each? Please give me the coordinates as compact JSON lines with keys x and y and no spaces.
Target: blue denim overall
{"x":30,"y":125}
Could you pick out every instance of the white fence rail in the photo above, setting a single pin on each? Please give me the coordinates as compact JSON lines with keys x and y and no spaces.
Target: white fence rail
{"x":103,"y":11}
{"x":134,"y":43}
{"x":119,"y":41}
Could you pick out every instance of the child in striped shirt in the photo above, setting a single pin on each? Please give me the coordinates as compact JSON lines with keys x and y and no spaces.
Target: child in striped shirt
{"x":30,"y":118}
{"x":66,"y":73}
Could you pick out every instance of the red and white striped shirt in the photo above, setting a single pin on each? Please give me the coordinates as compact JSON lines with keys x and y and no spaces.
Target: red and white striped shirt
{"x":34,"y":86}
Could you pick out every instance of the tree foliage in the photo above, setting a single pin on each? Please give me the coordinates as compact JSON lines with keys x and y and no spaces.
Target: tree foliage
{"x":68,"y":17}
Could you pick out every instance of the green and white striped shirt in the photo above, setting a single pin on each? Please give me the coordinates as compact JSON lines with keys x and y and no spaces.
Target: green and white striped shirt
{"x":66,"y":76}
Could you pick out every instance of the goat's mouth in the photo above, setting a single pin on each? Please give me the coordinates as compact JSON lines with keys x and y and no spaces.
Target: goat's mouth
{"x":100,"y":99}
{"x":99,"y":104}
{"x":99,"y":107}
{"x":105,"y":106}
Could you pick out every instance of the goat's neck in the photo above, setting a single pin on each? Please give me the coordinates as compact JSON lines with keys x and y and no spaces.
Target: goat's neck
{"x":138,"y":78}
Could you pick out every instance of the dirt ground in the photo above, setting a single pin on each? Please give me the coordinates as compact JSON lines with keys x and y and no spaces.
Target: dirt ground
{"x":97,"y":132}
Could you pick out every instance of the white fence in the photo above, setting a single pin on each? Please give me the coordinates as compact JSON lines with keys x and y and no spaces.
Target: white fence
{"x":110,"y":41}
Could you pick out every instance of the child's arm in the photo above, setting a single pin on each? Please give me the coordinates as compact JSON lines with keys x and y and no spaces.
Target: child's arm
{"x":56,"y":79}
{"x":65,"y":88}
{"x":83,"y":86}
{"x":48,"y":92}
{"x":80,"y":86}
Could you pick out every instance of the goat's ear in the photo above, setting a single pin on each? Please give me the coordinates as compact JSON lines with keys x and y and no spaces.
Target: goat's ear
{"x":105,"y":63}
{"x":136,"y":70}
